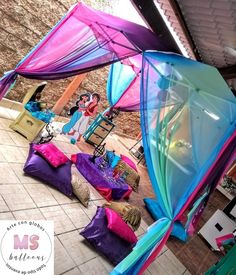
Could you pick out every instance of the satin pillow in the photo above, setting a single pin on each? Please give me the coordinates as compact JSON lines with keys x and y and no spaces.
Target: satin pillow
{"x":80,"y":189}
{"x":51,"y":154}
{"x":129,"y":162}
{"x":119,"y":227}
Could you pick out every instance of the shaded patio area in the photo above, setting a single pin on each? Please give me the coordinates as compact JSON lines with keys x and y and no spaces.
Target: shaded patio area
{"x":22,"y":197}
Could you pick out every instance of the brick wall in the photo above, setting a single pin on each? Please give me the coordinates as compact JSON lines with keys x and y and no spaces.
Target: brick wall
{"x":23,"y":23}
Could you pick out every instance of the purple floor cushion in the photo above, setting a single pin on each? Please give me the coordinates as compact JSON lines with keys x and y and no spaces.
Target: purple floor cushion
{"x":60,"y":177}
{"x":105,"y":241}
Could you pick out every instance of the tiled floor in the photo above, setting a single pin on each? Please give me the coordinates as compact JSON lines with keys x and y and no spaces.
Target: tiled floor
{"x":22,"y":197}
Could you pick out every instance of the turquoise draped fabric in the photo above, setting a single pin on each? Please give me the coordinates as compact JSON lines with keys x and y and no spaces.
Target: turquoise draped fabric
{"x":123,"y":84}
{"x":188,"y":119}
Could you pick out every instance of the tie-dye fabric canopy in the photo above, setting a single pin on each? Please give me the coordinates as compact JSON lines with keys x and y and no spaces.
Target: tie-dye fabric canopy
{"x":188,"y":119}
{"x":188,"y":113}
{"x":85,"y":39}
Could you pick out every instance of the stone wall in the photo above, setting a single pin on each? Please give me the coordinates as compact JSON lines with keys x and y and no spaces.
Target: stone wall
{"x":23,"y":23}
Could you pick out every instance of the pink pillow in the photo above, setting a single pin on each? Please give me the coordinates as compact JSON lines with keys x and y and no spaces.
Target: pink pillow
{"x":129,"y":162}
{"x":119,"y":227}
{"x":51,"y":153}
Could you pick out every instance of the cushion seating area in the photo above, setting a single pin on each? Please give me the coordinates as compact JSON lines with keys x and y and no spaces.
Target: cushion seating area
{"x":60,"y":177}
{"x":102,"y":181}
{"x":108,"y":232}
{"x":104,"y":240}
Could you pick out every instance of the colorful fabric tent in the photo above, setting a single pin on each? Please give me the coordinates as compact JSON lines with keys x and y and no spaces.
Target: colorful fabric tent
{"x":188,"y":114}
{"x":188,"y":119}
{"x":85,"y":39}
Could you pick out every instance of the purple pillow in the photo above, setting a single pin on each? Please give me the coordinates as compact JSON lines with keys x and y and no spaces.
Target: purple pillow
{"x":60,"y":177}
{"x":105,"y":241}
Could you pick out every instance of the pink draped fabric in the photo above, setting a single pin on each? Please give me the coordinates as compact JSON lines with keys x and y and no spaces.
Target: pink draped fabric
{"x":85,"y":39}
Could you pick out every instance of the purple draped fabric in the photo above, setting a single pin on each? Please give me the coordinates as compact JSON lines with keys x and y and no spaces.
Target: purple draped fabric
{"x":85,"y":39}
{"x":101,"y":178}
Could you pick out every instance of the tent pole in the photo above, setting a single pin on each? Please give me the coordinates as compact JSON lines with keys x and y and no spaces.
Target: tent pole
{"x":67,"y":94}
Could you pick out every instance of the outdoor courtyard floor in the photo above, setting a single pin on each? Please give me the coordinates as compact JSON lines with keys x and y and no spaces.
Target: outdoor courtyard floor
{"x":25,"y":198}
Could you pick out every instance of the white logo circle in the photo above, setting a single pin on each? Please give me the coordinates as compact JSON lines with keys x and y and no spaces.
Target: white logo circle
{"x":26,"y":247}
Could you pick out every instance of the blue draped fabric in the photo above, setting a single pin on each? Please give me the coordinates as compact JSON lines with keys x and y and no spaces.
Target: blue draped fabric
{"x":123,"y":84}
{"x":119,"y":78}
{"x":188,"y":119}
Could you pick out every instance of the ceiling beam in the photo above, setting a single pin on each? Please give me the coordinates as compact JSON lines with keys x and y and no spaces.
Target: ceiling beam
{"x":177,"y":10}
{"x":149,"y":12}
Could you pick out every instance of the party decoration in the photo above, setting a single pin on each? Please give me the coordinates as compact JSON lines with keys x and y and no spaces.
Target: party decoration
{"x":188,"y":137}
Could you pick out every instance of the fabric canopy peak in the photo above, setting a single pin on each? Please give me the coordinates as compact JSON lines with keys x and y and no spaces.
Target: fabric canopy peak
{"x":188,"y":119}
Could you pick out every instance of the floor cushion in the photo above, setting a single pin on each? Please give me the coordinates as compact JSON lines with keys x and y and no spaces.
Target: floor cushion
{"x":60,"y":177}
{"x":105,"y":241}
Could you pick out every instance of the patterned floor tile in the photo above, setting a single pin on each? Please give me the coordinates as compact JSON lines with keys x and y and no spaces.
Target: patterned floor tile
{"x":6,"y":138}
{"x":18,"y":139}
{"x":66,"y":147}
{"x":79,"y":250}
{"x":40,"y":194}
{"x":13,"y":154}
{"x":62,"y":260}
{"x":16,"y":197}
{"x":109,"y":267}
{"x":62,"y":223}
{"x":76,"y":214}
{"x":61,"y":198}
{"x":74,"y":271}
{"x":6,"y":216}
{"x":29,"y":214}
{"x":93,"y":267}
{"x":167,"y":264}
{"x":3,"y":206}
{"x":90,"y":210}
{"x":5,"y":123}
{"x":7,"y":174}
